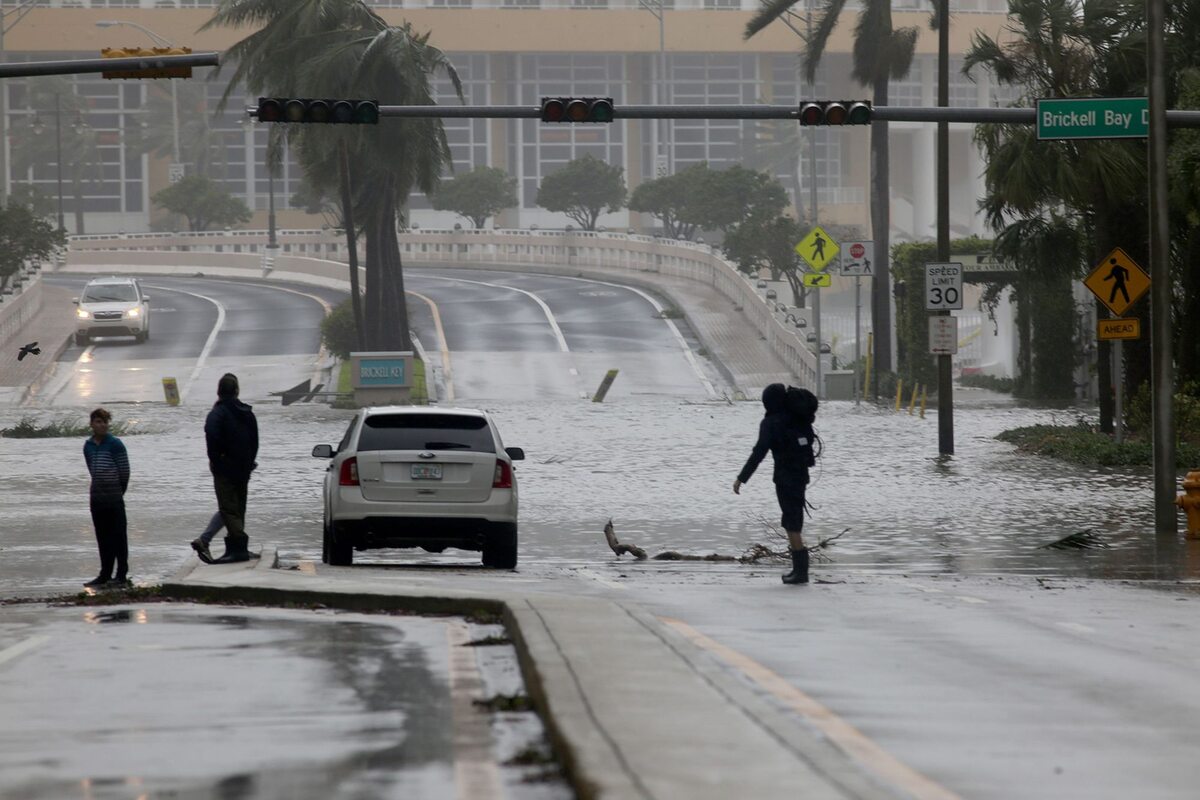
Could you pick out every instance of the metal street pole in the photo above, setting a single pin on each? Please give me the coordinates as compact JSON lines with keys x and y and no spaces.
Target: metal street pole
{"x":812,"y":204}
{"x":662,"y":159}
{"x":1162,"y":371}
{"x":58,"y":158}
{"x":945,"y":374}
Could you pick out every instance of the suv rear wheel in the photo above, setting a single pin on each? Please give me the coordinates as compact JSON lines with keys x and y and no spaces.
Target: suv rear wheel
{"x":500,"y":552}
{"x":338,"y":550}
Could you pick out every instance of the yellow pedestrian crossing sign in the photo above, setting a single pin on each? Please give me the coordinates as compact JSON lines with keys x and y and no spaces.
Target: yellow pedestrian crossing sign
{"x":816,"y":279}
{"x":1118,"y":281}
{"x":818,"y":249}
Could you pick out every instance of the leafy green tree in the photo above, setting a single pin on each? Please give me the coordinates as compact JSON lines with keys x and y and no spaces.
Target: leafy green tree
{"x":1183,"y":165}
{"x":343,"y":48}
{"x":204,"y":203}
{"x":668,"y":198}
{"x":881,"y":52}
{"x":1045,"y":200}
{"x":732,"y":196}
{"x":770,"y":242}
{"x":25,"y":237}
{"x":40,"y":203}
{"x":56,"y":104}
{"x":338,"y":332}
{"x":583,"y":190}
{"x":481,"y":193}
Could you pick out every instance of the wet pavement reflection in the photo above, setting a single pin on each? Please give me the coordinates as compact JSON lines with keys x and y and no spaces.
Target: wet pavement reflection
{"x":659,"y":467}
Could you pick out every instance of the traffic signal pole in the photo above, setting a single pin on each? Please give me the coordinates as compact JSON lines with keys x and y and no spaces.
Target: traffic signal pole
{"x":945,"y":368}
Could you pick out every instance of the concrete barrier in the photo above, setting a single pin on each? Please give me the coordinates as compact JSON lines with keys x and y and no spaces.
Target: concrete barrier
{"x":18,"y":308}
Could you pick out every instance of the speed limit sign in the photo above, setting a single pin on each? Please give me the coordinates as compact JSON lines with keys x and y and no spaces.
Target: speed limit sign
{"x":943,"y":287}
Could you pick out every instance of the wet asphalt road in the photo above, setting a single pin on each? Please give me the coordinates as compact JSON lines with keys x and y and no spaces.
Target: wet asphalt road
{"x":174,"y":700}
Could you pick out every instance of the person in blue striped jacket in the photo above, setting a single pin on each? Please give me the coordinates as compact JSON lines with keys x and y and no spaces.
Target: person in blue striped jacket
{"x":108,"y":464}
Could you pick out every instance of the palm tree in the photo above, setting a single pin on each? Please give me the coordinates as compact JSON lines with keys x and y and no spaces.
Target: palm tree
{"x":341,"y":48}
{"x":1064,"y":48}
{"x":881,"y":52}
{"x":201,"y":145}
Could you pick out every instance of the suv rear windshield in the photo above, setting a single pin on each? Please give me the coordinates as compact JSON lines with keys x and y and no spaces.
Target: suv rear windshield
{"x":426,"y":432}
{"x":109,"y":293}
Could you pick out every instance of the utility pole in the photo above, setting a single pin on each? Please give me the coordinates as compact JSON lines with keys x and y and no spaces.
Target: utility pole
{"x":1166,"y":519}
{"x":945,"y":376}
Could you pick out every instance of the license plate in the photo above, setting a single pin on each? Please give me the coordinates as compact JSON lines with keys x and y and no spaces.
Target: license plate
{"x":426,"y":472}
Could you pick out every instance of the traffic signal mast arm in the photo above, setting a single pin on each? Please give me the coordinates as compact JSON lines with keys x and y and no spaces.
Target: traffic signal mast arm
{"x":1015,"y":116}
{"x":81,"y":66}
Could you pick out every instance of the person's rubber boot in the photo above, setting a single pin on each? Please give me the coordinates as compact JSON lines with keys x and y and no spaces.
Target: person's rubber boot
{"x":236,"y":549}
{"x":799,"y":573}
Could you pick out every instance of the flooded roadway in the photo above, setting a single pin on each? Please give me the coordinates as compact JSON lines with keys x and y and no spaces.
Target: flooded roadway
{"x":660,"y":468}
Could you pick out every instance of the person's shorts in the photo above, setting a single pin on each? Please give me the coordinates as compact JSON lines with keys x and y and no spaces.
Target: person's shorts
{"x":791,"y":503}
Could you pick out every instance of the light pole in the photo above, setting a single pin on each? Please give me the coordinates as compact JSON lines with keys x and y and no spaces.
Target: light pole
{"x":161,"y":41}
{"x":662,"y":166}
{"x":37,"y":128}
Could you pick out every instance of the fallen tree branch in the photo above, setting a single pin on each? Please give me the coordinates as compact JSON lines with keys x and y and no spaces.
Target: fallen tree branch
{"x":621,"y":549}
{"x":753,"y":554}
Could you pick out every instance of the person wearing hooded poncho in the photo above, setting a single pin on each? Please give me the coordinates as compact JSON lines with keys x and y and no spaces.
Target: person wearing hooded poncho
{"x":787,"y":432}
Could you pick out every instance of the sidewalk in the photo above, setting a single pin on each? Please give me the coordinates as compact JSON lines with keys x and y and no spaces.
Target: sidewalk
{"x":52,"y":330}
{"x":633,"y":708}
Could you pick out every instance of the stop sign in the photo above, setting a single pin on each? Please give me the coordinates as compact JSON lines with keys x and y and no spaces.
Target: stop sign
{"x":857,"y":250}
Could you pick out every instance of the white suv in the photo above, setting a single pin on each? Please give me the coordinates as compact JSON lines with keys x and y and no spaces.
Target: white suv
{"x":112,"y":307}
{"x":418,"y":476}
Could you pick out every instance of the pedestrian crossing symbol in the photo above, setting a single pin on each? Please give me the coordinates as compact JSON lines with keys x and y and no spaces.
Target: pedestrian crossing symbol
{"x":818,"y":249}
{"x":1117,"y":281}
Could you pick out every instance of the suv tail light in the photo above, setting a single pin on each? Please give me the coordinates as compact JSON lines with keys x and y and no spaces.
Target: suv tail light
{"x":349,"y":474}
{"x":503,"y":479}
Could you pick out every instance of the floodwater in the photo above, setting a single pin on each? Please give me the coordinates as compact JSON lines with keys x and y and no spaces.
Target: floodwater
{"x":661,"y":469}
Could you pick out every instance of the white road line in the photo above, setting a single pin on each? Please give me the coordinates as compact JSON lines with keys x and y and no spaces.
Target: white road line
{"x":558,"y":334}
{"x":208,"y":344}
{"x":21,"y":648}
{"x":587,"y":573}
{"x":1075,"y":627}
{"x":683,"y":345}
{"x":966,"y":599}
{"x":443,"y":348}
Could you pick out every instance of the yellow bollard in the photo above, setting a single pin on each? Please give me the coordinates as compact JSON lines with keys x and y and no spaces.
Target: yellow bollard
{"x":1189,"y":501}
{"x":912,"y":401}
{"x":923,"y":393}
{"x":899,"y":392}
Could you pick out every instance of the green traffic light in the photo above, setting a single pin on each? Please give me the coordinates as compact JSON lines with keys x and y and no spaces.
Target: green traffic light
{"x":860,"y":114}
{"x":366,"y":112}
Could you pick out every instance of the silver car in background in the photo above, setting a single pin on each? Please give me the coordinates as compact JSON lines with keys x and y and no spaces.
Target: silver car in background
{"x":112,"y":307}
{"x":420,"y":476}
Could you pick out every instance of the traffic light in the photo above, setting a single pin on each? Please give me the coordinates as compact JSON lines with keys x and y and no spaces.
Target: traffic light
{"x":147,"y":53}
{"x":835,"y":112}
{"x":577,"y":109}
{"x":331,"y":112}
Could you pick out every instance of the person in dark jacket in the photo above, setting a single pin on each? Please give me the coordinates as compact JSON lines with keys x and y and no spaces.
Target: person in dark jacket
{"x":231,"y":435}
{"x":786,"y":431}
{"x":108,"y":464}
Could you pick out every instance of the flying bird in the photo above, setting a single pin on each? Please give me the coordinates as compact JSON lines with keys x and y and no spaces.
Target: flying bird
{"x":28,"y":349}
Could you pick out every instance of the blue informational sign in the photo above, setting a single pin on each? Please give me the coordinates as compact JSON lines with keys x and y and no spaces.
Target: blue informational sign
{"x":382,"y":372}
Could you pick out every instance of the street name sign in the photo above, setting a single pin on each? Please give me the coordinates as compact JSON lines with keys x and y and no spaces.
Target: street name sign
{"x":1093,"y":118}
{"x":1118,"y":281}
{"x":856,"y":259}
{"x":818,"y":249}
{"x":1118,"y":328}
{"x":817,"y":280}
{"x":943,"y":287}
{"x":943,"y":335}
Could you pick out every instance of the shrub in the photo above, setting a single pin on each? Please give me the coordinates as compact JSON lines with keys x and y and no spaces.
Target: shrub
{"x":979,"y":381}
{"x":337,"y":330}
{"x":1187,"y":413}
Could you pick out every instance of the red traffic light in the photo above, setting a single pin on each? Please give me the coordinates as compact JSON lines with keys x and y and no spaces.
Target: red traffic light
{"x":577,"y":109}
{"x":295,"y":109}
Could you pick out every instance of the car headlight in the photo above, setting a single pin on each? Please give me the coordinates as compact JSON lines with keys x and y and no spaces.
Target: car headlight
{"x":133,"y":313}
{"x":81,"y":314}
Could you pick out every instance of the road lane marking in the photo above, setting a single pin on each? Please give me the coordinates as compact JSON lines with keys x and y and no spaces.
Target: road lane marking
{"x":558,"y":334}
{"x":61,"y":383}
{"x":849,"y":739}
{"x":208,"y":344}
{"x":649,"y":298}
{"x":21,"y":648}
{"x":443,"y":348}
{"x":1075,"y":627}
{"x":968,"y":599}
{"x":476,"y":776}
